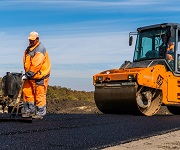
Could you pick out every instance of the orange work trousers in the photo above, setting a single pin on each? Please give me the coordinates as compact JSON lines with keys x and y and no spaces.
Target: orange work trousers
{"x":34,"y":92}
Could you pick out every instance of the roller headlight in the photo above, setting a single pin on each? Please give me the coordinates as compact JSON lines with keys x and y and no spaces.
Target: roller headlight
{"x":99,"y":78}
{"x":130,"y":77}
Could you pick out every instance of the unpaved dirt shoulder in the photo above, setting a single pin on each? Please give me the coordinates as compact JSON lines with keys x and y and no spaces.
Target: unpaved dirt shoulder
{"x":168,"y":141}
{"x":71,"y":107}
{"x":80,"y":107}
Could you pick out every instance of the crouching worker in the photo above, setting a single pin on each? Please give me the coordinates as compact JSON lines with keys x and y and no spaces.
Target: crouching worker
{"x":37,"y":71}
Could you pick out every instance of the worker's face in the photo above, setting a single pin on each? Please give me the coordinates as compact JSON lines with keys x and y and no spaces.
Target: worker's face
{"x":164,"y":39}
{"x":33,"y":42}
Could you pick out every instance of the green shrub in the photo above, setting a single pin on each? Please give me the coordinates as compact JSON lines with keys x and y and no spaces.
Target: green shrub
{"x":62,"y":93}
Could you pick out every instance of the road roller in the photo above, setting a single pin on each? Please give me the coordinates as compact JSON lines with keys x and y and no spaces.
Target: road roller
{"x":151,"y":79}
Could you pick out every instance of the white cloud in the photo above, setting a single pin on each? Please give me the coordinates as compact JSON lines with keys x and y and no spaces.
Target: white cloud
{"x":76,"y":4}
{"x":98,"y":3}
{"x":101,"y":48}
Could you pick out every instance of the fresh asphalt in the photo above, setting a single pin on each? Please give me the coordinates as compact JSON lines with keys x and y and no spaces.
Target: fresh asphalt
{"x":82,"y":131}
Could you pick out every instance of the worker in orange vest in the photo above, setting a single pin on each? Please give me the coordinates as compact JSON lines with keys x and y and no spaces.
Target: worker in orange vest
{"x":37,"y":72}
{"x":169,"y":51}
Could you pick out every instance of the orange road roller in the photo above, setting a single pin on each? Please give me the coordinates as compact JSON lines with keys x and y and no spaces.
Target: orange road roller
{"x":150,"y":80}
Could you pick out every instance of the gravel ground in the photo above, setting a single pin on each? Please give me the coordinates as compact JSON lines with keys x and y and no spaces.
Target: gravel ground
{"x":169,"y":141}
{"x":71,"y":107}
{"x":80,"y":107}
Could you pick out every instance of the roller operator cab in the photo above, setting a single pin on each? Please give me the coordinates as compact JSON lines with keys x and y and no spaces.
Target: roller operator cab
{"x":152,"y":79}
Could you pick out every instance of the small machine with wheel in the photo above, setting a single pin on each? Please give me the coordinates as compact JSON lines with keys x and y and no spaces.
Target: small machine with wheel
{"x":11,"y":85}
{"x":11,"y":98}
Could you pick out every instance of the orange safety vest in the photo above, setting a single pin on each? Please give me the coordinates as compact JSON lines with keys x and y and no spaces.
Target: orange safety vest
{"x":170,"y":47}
{"x":36,"y":62}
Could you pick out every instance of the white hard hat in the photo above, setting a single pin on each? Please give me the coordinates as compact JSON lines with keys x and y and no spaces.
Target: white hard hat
{"x":33,"y":35}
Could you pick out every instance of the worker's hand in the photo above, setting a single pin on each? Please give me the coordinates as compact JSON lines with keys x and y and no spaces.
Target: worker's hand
{"x":24,"y":77}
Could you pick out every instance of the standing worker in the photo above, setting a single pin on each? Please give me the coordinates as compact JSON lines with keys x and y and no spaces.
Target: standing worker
{"x":37,"y":71}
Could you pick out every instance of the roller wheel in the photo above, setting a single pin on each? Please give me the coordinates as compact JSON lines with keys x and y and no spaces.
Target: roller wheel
{"x":116,"y":100}
{"x":174,"y":110}
{"x":149,"y":100}
{"x":128,"y":100}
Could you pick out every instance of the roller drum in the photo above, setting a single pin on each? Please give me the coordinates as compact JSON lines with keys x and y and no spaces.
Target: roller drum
{"x":121,"y":100}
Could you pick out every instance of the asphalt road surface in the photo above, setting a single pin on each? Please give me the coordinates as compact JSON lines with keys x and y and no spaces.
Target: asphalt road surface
{"x":83,"y":131}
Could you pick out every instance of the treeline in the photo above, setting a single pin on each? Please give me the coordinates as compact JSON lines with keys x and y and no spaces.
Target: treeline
{"x":62,"y":93}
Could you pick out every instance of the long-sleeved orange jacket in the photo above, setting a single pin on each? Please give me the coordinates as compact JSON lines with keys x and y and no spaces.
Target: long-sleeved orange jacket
{"x":36,"y":62}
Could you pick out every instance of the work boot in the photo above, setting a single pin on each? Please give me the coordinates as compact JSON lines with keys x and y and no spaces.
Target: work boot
{"x":37,"y":117}
{"x":28,"y":114}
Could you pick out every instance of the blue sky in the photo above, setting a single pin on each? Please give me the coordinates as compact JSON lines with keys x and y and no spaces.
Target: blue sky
{"x":83,"y":37}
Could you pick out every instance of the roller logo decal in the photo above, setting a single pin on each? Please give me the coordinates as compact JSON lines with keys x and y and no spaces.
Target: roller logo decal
{"x":159,"y":80}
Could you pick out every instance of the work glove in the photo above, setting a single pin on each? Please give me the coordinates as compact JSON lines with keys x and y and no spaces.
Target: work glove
{"x":24,"y":77}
